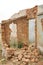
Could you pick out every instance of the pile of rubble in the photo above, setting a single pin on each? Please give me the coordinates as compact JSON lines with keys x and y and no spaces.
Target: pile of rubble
{"x":24,"y":55}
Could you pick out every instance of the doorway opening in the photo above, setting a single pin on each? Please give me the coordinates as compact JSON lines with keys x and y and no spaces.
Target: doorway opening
{"x":13,"y":36}
{"x":31,"y":31}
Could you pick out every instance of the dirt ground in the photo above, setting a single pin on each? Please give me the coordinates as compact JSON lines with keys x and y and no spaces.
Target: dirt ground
{"x":11,"y":63}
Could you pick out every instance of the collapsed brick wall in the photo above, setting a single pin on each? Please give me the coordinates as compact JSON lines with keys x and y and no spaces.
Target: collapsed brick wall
{"x":22,"y":28}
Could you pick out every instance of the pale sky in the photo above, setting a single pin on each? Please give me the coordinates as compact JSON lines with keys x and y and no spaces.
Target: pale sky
{"x":9,"y":7}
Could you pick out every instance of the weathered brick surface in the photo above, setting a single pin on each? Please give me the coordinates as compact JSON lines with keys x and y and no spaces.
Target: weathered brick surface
{"x":22,"y":30}
{"x":31,"y":13}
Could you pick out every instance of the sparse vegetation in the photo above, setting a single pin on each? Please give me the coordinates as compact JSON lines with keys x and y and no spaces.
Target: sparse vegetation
{"x":20,"y":44}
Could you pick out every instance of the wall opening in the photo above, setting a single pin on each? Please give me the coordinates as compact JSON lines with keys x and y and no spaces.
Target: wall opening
{"x":13,"y":36}
{"x":31,"y":30}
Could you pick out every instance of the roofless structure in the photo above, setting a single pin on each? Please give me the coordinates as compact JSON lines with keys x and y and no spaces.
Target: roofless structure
{"x":21,"y":20}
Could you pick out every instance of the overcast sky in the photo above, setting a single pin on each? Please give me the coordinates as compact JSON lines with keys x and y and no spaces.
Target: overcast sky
{"x":9,"y":7}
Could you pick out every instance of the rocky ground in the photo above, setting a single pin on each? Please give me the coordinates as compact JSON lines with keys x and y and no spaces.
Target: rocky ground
{"x":24,"y":56}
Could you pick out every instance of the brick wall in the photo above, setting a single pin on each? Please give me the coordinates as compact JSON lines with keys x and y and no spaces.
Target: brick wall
{"x":5,"y":33}
{"x":22,"y":30}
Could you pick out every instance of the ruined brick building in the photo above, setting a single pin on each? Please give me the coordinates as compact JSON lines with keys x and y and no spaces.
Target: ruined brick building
{"x":21,"y":20}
